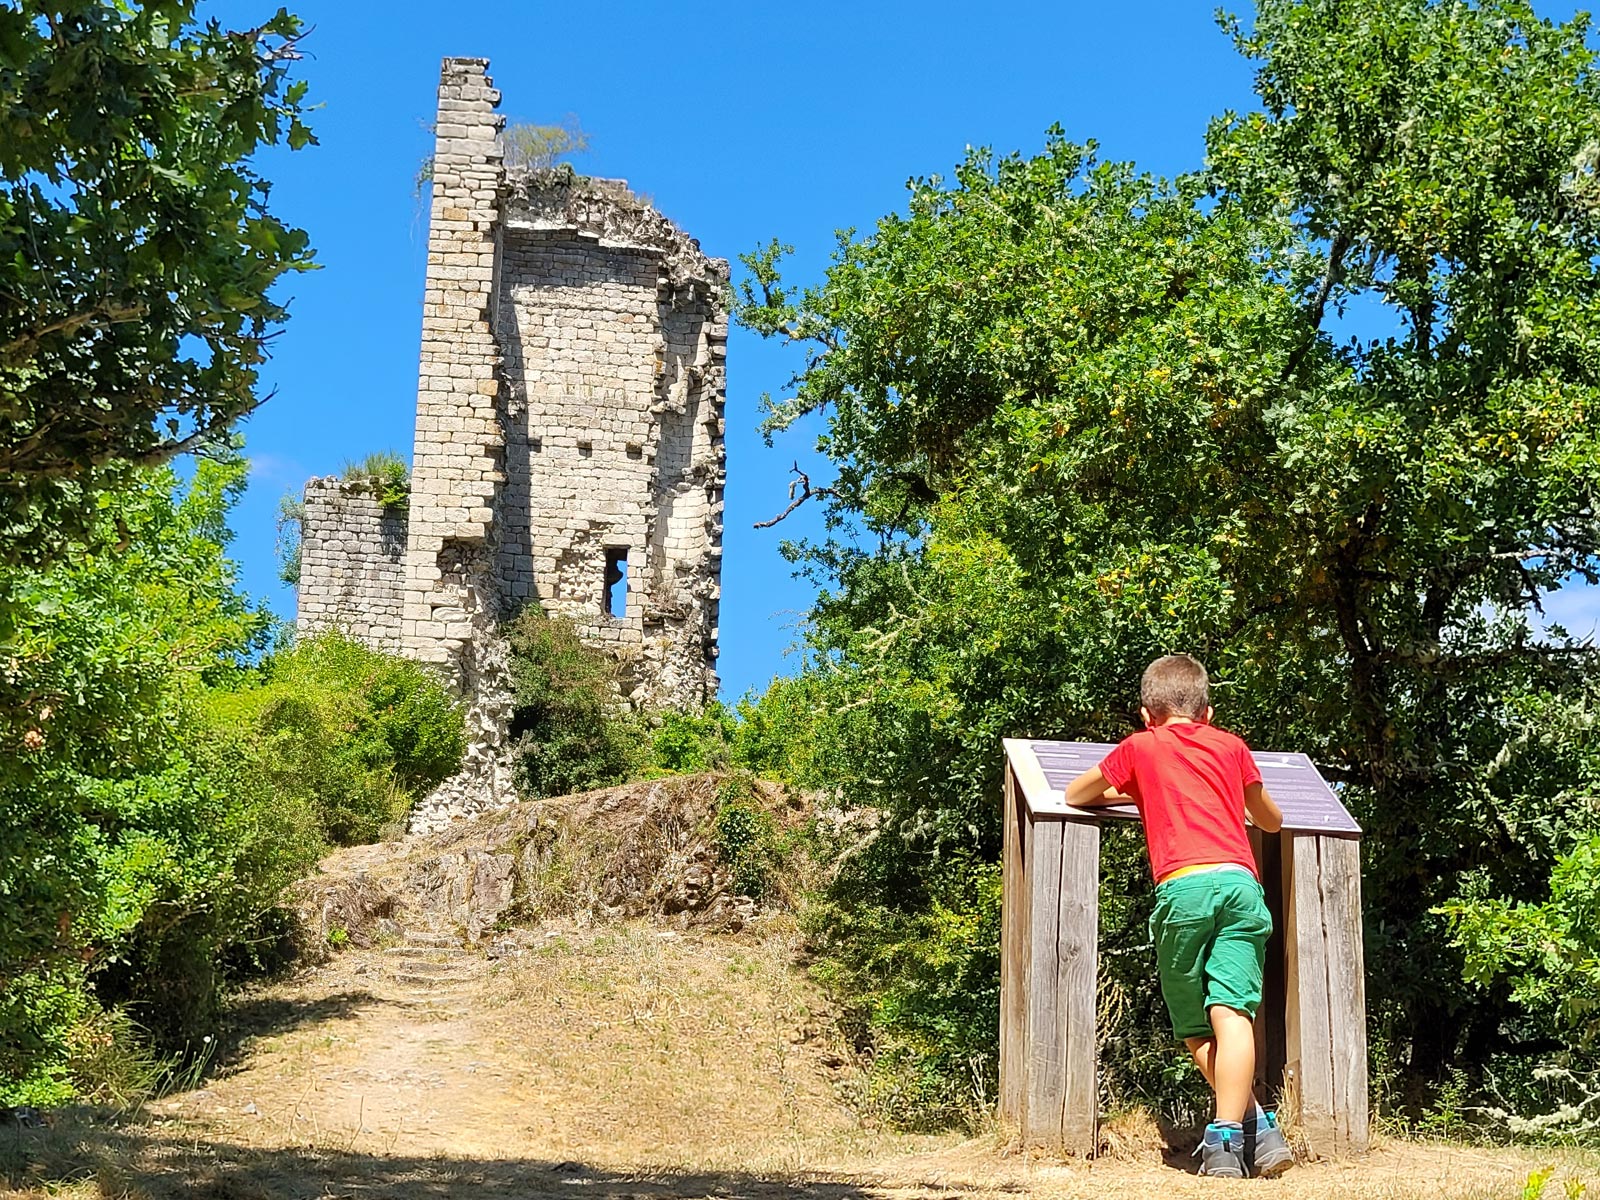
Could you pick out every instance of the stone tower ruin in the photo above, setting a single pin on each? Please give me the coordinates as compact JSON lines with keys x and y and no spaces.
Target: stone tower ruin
{"x":569,"y":442}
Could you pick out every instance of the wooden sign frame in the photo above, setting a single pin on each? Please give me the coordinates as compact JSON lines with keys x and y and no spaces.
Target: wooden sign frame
{"x":1311,"y":1032}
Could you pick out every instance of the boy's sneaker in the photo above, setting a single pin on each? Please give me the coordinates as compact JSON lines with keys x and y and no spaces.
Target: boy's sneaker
{"x":1221,"y":1151}
{"x":1268,"y":1154}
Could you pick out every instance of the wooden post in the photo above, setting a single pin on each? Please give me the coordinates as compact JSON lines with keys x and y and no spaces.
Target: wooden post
{"x":1013,"y":951}
{"x":1347,"y":999}
{"x":1325,"y":1011}
{"x":1049,"y":958}
{"x":1042,"y":1100}
{"x":1060,"y":1101}
{"x":1077,"y":982}
{"x":1048,"y":972}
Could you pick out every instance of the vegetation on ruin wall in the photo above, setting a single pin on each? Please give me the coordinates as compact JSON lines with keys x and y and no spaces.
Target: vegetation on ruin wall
{"x":1081,"y":417}
{"x":385,"y":475}
{"x":571,"y":730}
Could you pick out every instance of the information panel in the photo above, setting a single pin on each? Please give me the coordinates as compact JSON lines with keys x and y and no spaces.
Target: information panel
{"x":1309,"y":805}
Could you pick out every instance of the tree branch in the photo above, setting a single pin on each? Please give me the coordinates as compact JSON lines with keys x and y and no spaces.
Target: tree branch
{"x":106,"y":314}
{"x":806,"y":492}
{"x":1319,"y":302}
{"x":162,"y":452}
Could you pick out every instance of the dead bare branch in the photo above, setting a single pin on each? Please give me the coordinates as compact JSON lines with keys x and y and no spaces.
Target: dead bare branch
{"x":801,"y":485}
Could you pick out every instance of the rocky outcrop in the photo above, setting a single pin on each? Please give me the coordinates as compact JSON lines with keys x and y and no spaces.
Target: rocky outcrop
{"x":640,"y":850}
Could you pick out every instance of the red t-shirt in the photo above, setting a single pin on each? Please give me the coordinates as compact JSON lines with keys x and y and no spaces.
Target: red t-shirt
{"x":1188,"y":781}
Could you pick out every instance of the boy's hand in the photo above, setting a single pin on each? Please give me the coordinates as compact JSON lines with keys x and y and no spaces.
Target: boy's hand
{"x":1090,"y":790}
{"x":1262,"y":809}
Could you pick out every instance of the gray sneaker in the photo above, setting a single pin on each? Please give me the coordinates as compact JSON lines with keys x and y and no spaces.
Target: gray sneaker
{"x":1270,"y":1154}
{"x":1221,"y":1152}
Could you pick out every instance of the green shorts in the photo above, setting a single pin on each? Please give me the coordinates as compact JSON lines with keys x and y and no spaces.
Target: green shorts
{"x":1210,"y":931}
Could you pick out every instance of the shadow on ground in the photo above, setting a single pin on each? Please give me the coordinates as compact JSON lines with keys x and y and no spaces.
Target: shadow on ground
{"x":255,"y":1017}
{"x":132,"y":1160}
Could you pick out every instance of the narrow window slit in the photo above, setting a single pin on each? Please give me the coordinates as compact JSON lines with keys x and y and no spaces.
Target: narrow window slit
{"x":616,"y":581}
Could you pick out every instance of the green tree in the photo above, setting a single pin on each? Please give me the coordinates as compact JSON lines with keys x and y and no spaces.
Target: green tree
{"x":137,"y":251}
{"x":1438,"y":161}
{"x":1081,"y":417}
{"x":132,"y":853}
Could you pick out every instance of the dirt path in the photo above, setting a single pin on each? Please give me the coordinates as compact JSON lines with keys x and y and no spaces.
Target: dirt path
{"x":626,"y":1062}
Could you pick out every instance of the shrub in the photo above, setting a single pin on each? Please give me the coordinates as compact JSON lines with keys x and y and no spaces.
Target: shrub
{"x":1547,"y":955}
{"x":746,"y":838}
{"x":137,"y":854}
{"x":289,"y":528}
{"x":569,"y":725}
{"x":776,"y":734}
{"x":352,"y":733}
{"x":685,"y":743}
{"x":920,"y":989}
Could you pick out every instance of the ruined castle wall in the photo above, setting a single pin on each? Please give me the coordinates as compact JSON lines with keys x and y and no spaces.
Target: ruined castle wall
{"x":580,"y":359}
{"x":686,"y":544}
{"x":451,"y":603}
{"x":613,"y":340}
{"x":352,"y":564}
{"x":457,"y":458}
{"x":569,"y":412}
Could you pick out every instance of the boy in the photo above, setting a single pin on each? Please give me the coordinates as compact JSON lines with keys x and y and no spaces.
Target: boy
{"x":1193,"y":784}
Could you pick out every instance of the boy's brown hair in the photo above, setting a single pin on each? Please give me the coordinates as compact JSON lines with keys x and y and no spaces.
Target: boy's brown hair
{"x":1175,"y":686}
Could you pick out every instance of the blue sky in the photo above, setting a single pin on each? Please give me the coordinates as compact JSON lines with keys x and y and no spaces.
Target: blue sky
{"x":743,"y":122}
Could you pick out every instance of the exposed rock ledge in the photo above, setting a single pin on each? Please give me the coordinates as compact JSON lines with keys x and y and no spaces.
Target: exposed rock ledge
{"x":641,"y":849}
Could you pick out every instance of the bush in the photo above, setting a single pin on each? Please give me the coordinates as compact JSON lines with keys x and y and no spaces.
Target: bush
{"x":686,"y":743}
{"x":920,"y":988}
{"x":352,"y":733}
{"x":746,"y":838}
{"x":569,"y":725}
{"x":137,"y":854}
{"x":1547,"y":955}
{"x":776,"y":735}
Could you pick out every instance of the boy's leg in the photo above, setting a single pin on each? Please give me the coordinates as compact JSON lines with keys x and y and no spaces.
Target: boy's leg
{"x":1204,"y":1052}
{"x":1234,"y":1062}
{"x":1234,"y":971}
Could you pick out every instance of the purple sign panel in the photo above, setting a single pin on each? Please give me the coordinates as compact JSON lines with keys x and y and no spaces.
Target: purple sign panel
{"x":1309,"y":805}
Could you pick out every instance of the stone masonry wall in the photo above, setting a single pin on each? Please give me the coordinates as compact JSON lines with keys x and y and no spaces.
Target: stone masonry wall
{"x":569,"y":412}
{"x":352,"y":564}
{"x":458,"y":453}
{"x":613,"y":341}
{"x":451,"y":605}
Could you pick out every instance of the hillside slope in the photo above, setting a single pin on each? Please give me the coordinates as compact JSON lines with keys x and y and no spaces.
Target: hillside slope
{"x":645,"y":1036}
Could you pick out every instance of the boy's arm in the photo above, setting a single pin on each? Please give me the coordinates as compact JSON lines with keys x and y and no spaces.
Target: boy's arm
{"x":1263,"y":810}
{"x":1090,"y":790}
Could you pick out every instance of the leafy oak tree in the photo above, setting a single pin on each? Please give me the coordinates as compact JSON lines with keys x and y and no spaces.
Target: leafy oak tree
{"x":137,"y":252}
{"x":1438,"y":162}
{"x":1081,"y":417}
